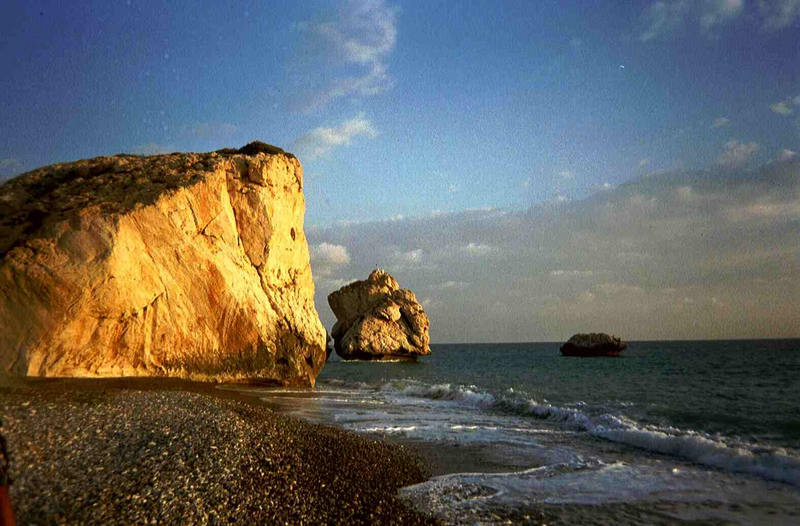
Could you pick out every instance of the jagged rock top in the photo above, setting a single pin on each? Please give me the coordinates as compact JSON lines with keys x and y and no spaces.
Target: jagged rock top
{"x":114,"y":184}
{"x":377,"y":320}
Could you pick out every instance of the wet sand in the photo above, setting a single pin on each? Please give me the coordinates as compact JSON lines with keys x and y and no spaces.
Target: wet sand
{"x":168,"y":451}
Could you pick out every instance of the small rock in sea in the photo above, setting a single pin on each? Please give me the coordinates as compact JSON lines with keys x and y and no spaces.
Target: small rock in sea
{"x":593,"y":344}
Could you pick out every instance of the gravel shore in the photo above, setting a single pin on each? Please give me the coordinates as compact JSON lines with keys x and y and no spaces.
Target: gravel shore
{"x":97,"y":453}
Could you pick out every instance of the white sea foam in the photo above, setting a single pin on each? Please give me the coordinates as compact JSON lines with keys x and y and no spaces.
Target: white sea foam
{"x":389,"y":429}
{"x":770,"y":463}
{"x":472,"y":497}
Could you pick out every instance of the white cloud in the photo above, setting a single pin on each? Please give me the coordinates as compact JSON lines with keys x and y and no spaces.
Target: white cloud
{"x":716,"y":12}
{"x":621,"y":261}
{"x":477,"y":249}
{"x":9,"y":167}
{"x":735,"y":153}
{"x":451,"y":285}
{"x":327,"y":257}
{"x":779,"y":14}
{"x":411,"y":256}
{"x":663,"y":17}
{"x":782,"y":108}
{"x":561,"y":273}
{"x":563,"y":184}
{"x":786,"y":155}
{"x":362,"y":36}
{"x":566,"y":175}
{"x":720,"y":122}
{"x":320,"y":141}
{"x":644,"y":162}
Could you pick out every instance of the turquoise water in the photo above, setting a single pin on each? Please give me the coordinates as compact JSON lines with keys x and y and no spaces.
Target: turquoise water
{"x":745,"y":389}
{"x":707,"y":430}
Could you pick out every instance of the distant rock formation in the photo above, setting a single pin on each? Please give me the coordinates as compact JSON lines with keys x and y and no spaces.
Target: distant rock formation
{"x":188,"y":265}
{"x":377,"y":320}
{"x":593,"y":344}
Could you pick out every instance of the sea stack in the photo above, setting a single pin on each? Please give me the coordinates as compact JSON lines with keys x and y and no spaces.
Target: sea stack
{"x":184,"y":265}
{"x":593,"y":344}
{"x":377,"y":320}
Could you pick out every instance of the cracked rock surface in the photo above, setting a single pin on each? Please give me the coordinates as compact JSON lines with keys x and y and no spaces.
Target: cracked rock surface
{"x":190,"y":265}
{"x":377,"y":320}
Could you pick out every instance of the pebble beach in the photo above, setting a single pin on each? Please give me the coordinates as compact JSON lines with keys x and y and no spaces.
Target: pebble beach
{"x":100,"y":452}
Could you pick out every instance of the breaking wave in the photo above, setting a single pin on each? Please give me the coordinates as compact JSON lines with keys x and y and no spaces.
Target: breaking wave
{"x":719,"y":452}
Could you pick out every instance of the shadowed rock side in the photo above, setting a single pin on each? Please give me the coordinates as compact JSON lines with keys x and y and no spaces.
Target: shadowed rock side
{"x":593,"y":344}
{"x":188,"y":265}
{"x":377,"y":320}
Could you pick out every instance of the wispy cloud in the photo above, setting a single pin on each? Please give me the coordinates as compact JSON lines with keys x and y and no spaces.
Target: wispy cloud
{"x":720,"y":122}
{"x":321,"y":140}
{"x":665,"y":17}
{"x":787,"y":155}
{"x":779,"y":14}
{"x":361,"y":37}
{"x":9,"y":167}
{"x":785,"y":107}
{"x":735,"y":153}
{"x":781,"y":108}
{"x":718,"y":12}
{"x":622,"y":261}
{"x":327,"y":257}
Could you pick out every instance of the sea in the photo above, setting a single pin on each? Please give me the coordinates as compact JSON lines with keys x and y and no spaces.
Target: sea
{"x":669,"y":432}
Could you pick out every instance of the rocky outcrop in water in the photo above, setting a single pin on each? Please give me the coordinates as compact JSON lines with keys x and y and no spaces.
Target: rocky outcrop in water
{"x":188,"y":265}
{"x":593,"y":344}
{"x":377,"y":320}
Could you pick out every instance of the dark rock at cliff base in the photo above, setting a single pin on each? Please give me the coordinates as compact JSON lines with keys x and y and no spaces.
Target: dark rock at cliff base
{"x":593,"y":344}
{"x":377,"y":320}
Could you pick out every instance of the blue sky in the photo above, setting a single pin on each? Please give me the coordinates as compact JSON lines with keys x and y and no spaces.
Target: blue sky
{"x":461,"y":104}
{"x":403,"y":113}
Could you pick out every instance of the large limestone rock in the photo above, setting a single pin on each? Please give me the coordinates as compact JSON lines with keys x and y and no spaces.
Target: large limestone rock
{"x":187,"y":265}
{"x":377,"y":320}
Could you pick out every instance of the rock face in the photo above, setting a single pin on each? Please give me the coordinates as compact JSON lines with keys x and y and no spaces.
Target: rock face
{"x":377,"y":320}
{"x":593,"y":344}
{"x":187,"y":265}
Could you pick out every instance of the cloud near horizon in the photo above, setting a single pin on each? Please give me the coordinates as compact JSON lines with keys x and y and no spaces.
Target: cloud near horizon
{"x":720,"y":122}
{"x":735,"y":153}
{"x":9,"y":168}
{"x":321,"y":140}
{"x":327,"y":257}
{"x":786,"y":106}
{"x":705,"y":254}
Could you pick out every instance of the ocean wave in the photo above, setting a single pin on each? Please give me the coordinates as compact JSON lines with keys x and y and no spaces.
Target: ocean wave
{"x":719,"y":452}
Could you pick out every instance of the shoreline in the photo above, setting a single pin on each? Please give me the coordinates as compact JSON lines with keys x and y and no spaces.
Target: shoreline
{"x":132,"y":450}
